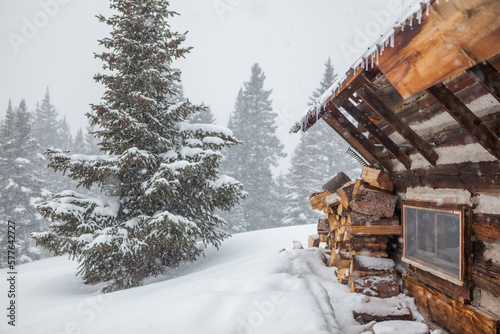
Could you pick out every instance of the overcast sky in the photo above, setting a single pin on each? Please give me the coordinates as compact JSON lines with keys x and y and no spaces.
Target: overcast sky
{"x":51,"y":43}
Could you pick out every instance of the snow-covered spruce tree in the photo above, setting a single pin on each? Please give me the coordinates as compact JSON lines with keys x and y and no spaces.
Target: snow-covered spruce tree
{"x":203,"y":117}
{"x":319,"y":156}
{"x":159,"y":176}
{"x":253,"y":122}
{"x":20,"y":185}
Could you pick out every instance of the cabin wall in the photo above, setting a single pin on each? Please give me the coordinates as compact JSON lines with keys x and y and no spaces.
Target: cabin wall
{"x":465,"y":173}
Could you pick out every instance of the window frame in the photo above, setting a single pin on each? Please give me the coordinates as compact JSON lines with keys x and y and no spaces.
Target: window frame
{"x":459,"y":209}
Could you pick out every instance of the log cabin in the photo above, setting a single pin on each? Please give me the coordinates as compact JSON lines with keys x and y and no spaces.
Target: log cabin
{"x":423,"y":104}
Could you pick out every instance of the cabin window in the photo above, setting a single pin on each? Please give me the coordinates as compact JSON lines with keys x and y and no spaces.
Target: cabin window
{"x":433,"y":239}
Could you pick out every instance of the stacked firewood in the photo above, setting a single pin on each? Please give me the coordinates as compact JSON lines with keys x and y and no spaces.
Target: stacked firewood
{"x":359,"y":220}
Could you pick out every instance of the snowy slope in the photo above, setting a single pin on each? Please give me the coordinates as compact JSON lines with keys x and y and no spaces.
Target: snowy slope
{"x":249,"y":286}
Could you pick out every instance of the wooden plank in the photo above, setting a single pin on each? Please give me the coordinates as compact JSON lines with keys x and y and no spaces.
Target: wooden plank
{"x":463,"y":115}
{"x":355,"y":138}
{"x":374,"y":130}
{"x":374,"y":230}
{"x":453,"y":37}
{"x":488,"y":76}
{"x":448,"y":313}
{"x":476,"y":177}
{"x":404,"y":130}
{"x":486,"y":275}
{"x":383,"y":286}
{"x":486,"y":226}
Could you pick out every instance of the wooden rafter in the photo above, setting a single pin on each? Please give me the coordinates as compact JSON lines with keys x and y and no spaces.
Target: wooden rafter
{"x":463,"y":115}
{"x":404,"y":130}
{"x":365,"y":121}
{"x":354,"y":137}
{"x":488,"y":76}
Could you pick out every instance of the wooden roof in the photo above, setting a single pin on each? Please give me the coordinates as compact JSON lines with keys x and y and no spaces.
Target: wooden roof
{"x":435,"y":66}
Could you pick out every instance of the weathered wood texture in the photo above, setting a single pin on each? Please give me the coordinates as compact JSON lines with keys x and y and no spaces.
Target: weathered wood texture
{"x":446,"y":312}
{"x":355,"y":138}
{"x":463,"y":48}
{"x":374,"y":203}
{"x":464,"y":116}
{"x":336,"y":182}
{"x":370,"y":154}
{"x":457,"y":292}
{"x":476,"y":177}
{"x":371,"y":98}
{"x":383,"y":286}
{"x":488,"y":76}
{"x":486,"y":226}
{"x":365,"y":121}
{"x":486,"y":275}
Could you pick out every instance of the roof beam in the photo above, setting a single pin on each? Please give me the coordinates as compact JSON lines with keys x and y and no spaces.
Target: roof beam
{"x":365,"y":121}
{"x":404,"y":130}
{"x":354,"y":137}
{"x":488,"y":76}
{"x":465,"y":117}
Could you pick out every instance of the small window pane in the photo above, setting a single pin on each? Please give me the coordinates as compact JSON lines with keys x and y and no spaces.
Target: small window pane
{"x":432,"y":238}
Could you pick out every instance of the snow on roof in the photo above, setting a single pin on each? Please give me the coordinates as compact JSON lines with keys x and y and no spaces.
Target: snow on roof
{"x":415,"y":10}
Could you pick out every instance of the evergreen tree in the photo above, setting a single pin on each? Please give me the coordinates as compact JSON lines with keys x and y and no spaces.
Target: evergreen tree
{"x":20,"y":185}
{"x":203,"y":117}
{"x":158,"y":173}
{"x":65,"y":139}
{"x":253,"y":122}
{"x":318,"y":157}
{"x":79,"y":142}
{"x":91,"y":142}
{"x":45,"y":128}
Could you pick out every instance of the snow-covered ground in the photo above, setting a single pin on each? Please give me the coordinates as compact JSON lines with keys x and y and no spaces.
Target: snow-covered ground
{"x":249,"y":286}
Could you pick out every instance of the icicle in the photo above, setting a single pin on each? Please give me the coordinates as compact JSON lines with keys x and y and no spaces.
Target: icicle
{"x":382,"y":49}
{"x":376,"y":56}
{"x":392,"y":40}
{"x":419,"y":16}
{"x":367,"y":66}
{"x":427,"y":9}
{"x":372,"y":59}
{"x":411,"y":20}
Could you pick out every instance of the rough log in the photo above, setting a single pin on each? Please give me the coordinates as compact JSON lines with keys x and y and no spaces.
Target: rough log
{"x":486,"y":275}
{"x":374,"y":203}
{"x":323,"y":225}
{"x":476,"y":177}
{"x":377,"y":178}
{"x":369,"y":266}
{"x":359,"y":219}
{"x":369,"y":253}
{"x":486,"y":226}
{"x":383,"y":286}
{"x":448,"y":313}
{"x":337,"y":182}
